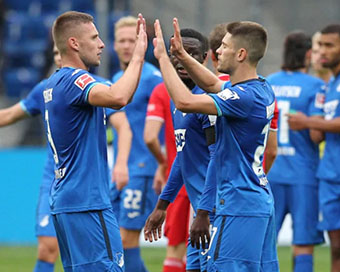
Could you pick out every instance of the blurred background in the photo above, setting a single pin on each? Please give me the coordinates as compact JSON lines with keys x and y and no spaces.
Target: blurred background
{"x":26,"y":58}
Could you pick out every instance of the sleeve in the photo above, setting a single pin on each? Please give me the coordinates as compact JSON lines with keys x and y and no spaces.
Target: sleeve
{"x":317,"y":101}
{"x":33,"y":104}
{"x":109,"y":112}
{"x":274,"y":122}
{"x":233,"y":102}
{"x":81,"y":84}
{"x":208,"y":197}
{"x":174,"y":183}
{"x":156,"y":106}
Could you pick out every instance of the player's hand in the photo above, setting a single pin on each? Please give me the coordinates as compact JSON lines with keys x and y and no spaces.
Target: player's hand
{"x":159,"y":179}
{"x":120,"y":175}
{"x":297,"y":121}
{"x":158,"y":42}
{"x":142,"y":40}
{"x":199,"y":231}
{"x":176,"y":47}
{"x":153,"y":225}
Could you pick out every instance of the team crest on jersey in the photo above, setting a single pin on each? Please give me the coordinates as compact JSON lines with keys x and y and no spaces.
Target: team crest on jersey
{"x":319,"y":100}
{"x":180,"y":139}
{"x":84,"y":80}
{"x":227,"y":94}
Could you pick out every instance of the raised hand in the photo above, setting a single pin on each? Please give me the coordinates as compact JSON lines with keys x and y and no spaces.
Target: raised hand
{"x":142,"y":40}
{"x":158,"y":42}
{"x":153,"y":225}
{"x":176,"y":47}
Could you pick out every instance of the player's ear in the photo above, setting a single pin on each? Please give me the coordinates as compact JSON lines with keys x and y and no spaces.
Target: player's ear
{"x":73,"y":43}
{"x":241,"y":54}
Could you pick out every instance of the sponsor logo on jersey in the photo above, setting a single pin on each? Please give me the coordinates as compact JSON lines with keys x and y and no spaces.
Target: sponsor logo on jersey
{"x":84,"y":80}
{"x":180,"y":139}
{"x":44,"y":221}
{"x":47,"y":95}
{"x":286,"y":151}
{"x":330,"y":109}
{"x":227,"y":94}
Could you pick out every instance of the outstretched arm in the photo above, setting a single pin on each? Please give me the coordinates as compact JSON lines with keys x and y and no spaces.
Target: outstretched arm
{"x":184,"y":100}
{"x":299,"y":121}
{"x":121,"y":92}
{"x":11,"y":115}
{"x":201,"y":75}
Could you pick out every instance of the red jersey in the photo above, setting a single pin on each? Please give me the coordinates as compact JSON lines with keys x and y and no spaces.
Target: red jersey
{"x":159,"y":109}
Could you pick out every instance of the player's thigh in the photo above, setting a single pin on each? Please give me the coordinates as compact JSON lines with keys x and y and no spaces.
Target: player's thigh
{"x":239,"y":242}
{"x":196,"y":258}
{"x":44,"y":223}
{"x":89,"y":241}
{"x":329,"y":198}
{"x":176,"y":227}
{"x":138,"y":200}
{"x":305,"y":215}
{"x":281,"y":203}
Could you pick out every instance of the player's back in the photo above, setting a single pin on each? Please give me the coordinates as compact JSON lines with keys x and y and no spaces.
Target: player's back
{"x":141,"y":161}
{"x":76,"y":135}
{"x":296,"y":91}
{"x":245,"y":111}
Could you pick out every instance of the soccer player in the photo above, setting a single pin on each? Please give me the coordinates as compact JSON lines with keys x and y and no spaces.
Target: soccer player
{"x":296,"y":191}
{"x":244,"y":222}
{"x":328,"y":171}
{"x":74,"y":122}
{"x":195,"y":138}
{"x":137,"y":199}
{"x":177,"y":218}
{"x":215,"y":40}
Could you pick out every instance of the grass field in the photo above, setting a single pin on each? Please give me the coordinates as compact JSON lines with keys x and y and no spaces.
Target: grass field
{"x":22,"y":259}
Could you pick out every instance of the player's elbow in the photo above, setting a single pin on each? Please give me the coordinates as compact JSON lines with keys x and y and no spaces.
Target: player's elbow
{"x":150,"y":139}
{"x":183,"y":106}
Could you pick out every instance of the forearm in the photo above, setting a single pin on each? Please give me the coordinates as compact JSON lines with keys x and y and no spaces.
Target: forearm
{"x":155,"y":149}
{"x":332,"y":126}
{"x":200,"y":74}
{"x":124,"y":145}
{"x":11,"y":115}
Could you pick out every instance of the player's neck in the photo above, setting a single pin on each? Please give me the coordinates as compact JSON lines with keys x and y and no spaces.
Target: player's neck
{"x":69,"y":61}
{"x":241,"y":75}
{"x":336,"y":70}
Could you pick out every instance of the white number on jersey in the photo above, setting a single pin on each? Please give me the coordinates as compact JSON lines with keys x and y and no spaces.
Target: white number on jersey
{"x":284,"y":108}
{"x":50,"y":139}
{"x":132,"y":199}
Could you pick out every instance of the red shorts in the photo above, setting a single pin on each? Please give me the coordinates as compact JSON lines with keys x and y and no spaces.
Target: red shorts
{"x":176,"y":227}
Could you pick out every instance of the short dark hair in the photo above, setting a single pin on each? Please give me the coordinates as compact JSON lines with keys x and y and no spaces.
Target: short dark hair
{"x":64,"y":26}
{"x":192,"y":33}
{"x":296,"y":45}
{"x":251,"y":36}
{"x":216,"y":36}
{"x":330,"y":29}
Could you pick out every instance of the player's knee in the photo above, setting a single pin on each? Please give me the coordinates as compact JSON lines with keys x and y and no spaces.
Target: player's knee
{"x":130,"y":238}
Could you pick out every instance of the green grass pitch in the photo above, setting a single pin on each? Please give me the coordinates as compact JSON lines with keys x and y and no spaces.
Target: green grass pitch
{"x":22,"y":259}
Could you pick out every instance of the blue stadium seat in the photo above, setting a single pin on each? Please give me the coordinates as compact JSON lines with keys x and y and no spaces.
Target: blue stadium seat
{"x":83,"y":5}
{"x":22,"y":5}
{"x":19,"y":82}
{"x":26,"y":54}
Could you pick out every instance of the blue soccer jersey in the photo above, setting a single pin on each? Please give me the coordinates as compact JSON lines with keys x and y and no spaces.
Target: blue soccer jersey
{"x":193,"y":155}
{"x":141,"y":161}
{"x":76,"y":135}
{"x":33,"y":105}
{"x":298,"y":155}
{"x":245,"y":111}
{"x":328,"y":169}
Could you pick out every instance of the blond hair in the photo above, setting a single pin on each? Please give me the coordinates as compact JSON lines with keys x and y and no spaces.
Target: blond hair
{"x":126,"y":22}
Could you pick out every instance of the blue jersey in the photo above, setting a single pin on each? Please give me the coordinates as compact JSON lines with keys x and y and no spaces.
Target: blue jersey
{"x":245,"y":111}
{"x":298,"y":156}
{"x":33,"y":105}
{"x":193,"y":155}
{"x":76,"y":135}
{"x":328,"y":167}
{"x":141,"y":161}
